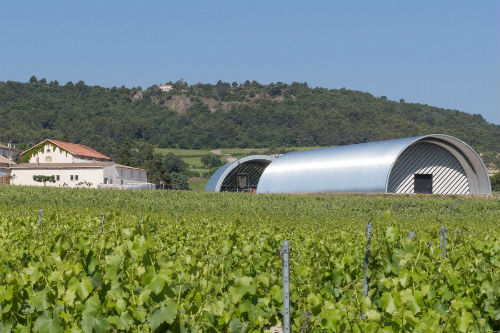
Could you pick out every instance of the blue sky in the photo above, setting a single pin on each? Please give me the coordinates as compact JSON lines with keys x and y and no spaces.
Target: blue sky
{"x":442,"y":53}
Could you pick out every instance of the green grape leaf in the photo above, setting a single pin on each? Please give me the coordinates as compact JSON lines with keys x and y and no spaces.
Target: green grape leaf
{"x":157,"y":284}
{"x":95,"y":322}
{"x":388,"y":302}
{"x":165,"y":314}
{"x":216,"y":308}
{"x":408,"y":299}
{"x":463,"y":321}
{"x":373,"y":315}
{"x":85,"y":288}
{"x":39,"y":300}
{"x":123,"y":322}
{"x":5,"y":327}
{"x":237,"y":326}
{"x":44,"y":324}
{"x":391,"y":234}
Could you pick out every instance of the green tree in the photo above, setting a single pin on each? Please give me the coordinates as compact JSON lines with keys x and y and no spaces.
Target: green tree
{"x":153,"y":164}
{"x":174,"y":163}
{"x":44,"y":179}
{"x":124,"y":154}
{"x":17,"y":157}
{"x":179,"y":181}
{"x":211,"y":160}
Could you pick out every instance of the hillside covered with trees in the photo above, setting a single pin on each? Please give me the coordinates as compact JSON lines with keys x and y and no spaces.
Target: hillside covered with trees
{"x":245,"y":114}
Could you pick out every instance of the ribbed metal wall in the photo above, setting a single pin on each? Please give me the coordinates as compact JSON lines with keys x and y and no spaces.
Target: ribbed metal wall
{"x":448,"y":175}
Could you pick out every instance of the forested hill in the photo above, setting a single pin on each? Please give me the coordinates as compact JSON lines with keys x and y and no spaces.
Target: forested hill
{"x":222,"y":115}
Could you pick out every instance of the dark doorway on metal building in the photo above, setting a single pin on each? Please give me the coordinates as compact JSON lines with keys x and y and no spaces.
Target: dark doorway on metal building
{"x":242,"y":180}
{"x":244,"y":177}
{"x":423,"y":183}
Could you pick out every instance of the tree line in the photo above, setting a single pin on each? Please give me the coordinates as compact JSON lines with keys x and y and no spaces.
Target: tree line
{"x":247,"y":114}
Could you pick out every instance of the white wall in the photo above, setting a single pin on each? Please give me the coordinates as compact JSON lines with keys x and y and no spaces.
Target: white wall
{"x":25,"y":176}
{"x":130,"y":176}
{"x":110,"y":174}
{"x":50,"y":155}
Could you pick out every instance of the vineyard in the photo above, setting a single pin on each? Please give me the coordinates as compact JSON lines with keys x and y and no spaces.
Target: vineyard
{"x":167,"y":261}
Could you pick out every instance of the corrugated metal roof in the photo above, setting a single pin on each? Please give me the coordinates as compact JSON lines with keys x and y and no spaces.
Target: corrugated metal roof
{"x":364,"y":167}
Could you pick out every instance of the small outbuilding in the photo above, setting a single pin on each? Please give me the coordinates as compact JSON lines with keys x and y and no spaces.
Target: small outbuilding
{"x":431,"y":164}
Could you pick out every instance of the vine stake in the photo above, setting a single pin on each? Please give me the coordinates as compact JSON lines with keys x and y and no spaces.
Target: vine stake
{"x":286,"y":288}
{"x":102,"y":222}
{"x":40,"y":221}
{"x":367,"y":257}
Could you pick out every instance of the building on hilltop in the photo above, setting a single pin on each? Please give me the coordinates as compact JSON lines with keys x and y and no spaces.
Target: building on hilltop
{"x":429,"y":164}
{"x":166,"y":87}
{"x":58,"y":163}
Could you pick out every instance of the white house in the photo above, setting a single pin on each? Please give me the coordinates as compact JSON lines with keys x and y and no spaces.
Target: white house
{"x":58,"y":163}
{"x":166,"y":87}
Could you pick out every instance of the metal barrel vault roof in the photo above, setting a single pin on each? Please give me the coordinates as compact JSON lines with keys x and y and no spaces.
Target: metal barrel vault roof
{"x":364,"y":167}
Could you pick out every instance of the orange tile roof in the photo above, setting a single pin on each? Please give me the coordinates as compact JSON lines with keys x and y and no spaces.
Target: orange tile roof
{"x":73,"y":148}
{"x":61,"y":165}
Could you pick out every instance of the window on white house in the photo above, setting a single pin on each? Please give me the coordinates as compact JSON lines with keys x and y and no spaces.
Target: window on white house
{"x":71,"y":177}
{"x":58,"y":178}
{"x":121,"y":182}
{"x":105,"y":180}
{"x":111,"y":180}
{"x":76,"y":177}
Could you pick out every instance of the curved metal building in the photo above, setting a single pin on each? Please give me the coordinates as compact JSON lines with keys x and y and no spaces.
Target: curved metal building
{"x":239,"y":176}
{"x":437,"y":163}
{"x":426,"y":164}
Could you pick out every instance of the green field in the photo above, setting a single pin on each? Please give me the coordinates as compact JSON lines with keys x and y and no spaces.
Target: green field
{"x":206,"y":262}
{"x":198,"y":185}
